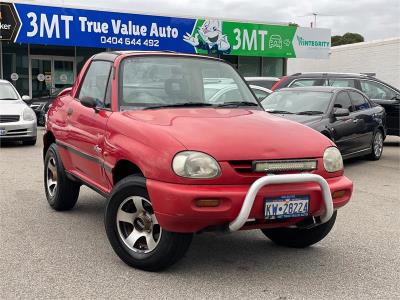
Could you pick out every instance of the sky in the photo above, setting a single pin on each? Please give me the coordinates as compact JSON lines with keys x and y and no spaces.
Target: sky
{"x":374,"y":19}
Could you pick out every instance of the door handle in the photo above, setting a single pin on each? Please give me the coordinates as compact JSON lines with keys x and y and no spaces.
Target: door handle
{"x":97,"y":149}
{"x":69,"y":111}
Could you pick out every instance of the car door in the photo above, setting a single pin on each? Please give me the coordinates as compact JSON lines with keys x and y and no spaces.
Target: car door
{"x":343,"y":129}
{"x":386,"y":97}
{"x":363,"y":119}
{"x":86,"y":126}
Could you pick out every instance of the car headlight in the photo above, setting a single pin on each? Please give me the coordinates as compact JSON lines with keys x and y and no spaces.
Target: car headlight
{"x":333,"y":161}
{"x":29,"y":114}
{"x":193,"y":164}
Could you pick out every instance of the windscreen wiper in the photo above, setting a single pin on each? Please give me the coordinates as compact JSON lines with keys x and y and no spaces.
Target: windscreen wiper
{"x":187,"y":104}
{"x":275,"y":111}
{"x":310,"y":112}
{"x":237,"y":104}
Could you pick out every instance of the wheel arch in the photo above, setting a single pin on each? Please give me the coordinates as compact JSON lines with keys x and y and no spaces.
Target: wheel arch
{"x":124,"y":168}
{"x":48,"y":139}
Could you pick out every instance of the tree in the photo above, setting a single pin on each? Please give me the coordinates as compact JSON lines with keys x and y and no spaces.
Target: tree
{"x":347,"y":38}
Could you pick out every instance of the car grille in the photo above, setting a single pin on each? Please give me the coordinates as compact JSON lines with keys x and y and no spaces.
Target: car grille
{"x":274,"y":166}
{"x":16,"y":132}
{"x":9,"y":118}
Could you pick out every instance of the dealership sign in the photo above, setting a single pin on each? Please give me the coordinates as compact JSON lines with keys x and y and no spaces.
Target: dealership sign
{"x":36,"y":24}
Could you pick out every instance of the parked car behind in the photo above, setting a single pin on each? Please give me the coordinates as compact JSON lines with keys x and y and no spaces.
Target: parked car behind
{"x":260,"y":92}
{"x":171,"y":163}
{"x":344,"y":115}
{"x":17,"y":119}
{"x":377,"y":90}
{"x":41,"y":105}
{"x":266,"y":82}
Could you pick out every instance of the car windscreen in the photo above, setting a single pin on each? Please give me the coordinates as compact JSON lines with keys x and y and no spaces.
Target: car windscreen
{"x":295,"y":102}
{"x":7,"y":92}
{"x":157,"y":81}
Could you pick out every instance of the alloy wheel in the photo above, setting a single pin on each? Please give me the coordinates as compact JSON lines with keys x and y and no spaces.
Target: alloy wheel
{"x":137,"y":225}
{"x":51,"y":176}
{"x":378,"y":144}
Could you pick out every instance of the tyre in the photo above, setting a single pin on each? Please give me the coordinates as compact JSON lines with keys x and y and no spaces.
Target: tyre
{"x":29,"y":143}
{"x":61,"y":192}
{"x":300,"y":237}
{"x":377,"y":146}
{"x":134,"y":232}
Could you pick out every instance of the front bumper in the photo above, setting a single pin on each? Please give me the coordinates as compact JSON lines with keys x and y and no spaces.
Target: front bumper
{"x":18,"y":131}
{"x":176,"y":210}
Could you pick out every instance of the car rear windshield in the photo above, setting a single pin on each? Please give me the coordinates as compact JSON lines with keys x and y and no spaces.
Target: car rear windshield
{"x":7,"y":92}
{"x":298,"y":101}
{"x":155,"y":81}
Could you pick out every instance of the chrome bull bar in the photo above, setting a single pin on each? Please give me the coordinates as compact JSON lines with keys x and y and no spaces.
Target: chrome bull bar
{"x":243,"y":216}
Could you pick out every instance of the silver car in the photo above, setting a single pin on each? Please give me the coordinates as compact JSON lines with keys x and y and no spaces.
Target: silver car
{"x":17,"y":119}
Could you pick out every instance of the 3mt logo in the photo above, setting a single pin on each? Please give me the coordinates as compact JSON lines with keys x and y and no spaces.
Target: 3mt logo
{"x":9,"y":22}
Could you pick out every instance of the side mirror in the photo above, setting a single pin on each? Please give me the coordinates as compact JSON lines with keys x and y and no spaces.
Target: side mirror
{"x":397,"y":97}
{"x":26,"y":99}
{"x":88,"y":102}
{"x":341,"y":112}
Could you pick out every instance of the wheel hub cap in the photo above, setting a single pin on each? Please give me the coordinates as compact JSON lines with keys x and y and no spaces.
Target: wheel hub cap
{"x":137,"y":225}
{"x":51,"y":176}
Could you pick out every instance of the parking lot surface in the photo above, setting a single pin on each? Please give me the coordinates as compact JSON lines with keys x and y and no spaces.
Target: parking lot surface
{"x":48,"y":255}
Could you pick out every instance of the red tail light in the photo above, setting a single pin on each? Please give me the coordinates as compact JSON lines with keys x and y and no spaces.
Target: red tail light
{"x":278,"y":83}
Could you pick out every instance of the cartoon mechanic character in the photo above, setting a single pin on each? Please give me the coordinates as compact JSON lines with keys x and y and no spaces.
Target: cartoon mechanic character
{"x":211,"y":38}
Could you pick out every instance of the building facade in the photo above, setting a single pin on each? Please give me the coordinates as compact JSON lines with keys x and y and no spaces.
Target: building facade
{"x":44,"y":47}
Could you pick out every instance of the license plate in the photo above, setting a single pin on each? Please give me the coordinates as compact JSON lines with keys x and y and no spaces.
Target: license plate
{"x":2,"y":131}
{"x":288,"y":206}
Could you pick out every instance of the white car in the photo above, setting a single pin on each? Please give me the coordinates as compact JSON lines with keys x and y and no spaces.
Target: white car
{"x":17,"y":119}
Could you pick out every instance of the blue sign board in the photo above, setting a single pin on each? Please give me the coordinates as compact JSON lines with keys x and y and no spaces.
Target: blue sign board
{"x":78,"y":27}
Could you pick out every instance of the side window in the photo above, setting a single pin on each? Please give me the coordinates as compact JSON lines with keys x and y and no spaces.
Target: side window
{"x":376,"y":90}
{"x":95,"y":82}
{"x":307,"y":82}
{"x":358,"y":100}
{"x":343,"y":101}
{"x":338,"y":82}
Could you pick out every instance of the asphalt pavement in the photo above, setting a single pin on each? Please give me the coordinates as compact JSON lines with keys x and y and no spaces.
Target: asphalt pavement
{"x":50,"y":255}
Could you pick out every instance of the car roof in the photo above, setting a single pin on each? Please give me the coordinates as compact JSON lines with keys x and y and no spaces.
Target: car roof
{"x":262,"y":78}
{"x":4,"y":81}
{"x":327,"y":89}
{"x":111,"y":56}
{"x":336,"y":74}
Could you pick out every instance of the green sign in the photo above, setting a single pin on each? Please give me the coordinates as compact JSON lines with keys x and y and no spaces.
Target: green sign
{"x":251,"y":39}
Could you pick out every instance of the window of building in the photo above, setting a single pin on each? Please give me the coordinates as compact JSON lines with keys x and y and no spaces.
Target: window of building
{"x":16,"y":66}
{"x":272,"y":67}
{"x":249,"y":66}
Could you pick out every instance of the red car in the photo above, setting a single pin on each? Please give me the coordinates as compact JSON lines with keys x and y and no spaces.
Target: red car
{"x":137,"y":128}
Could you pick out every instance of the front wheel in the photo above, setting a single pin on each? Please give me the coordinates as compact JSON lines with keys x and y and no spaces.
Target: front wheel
{"x":377,"y":146}
{"x":300,"y":237}
{"x":133,"y":230}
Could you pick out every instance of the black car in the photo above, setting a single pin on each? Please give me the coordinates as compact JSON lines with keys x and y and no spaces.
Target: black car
{"x":344,"y":115}
{"x":377,"y":90}
{"x":40,"y":105}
